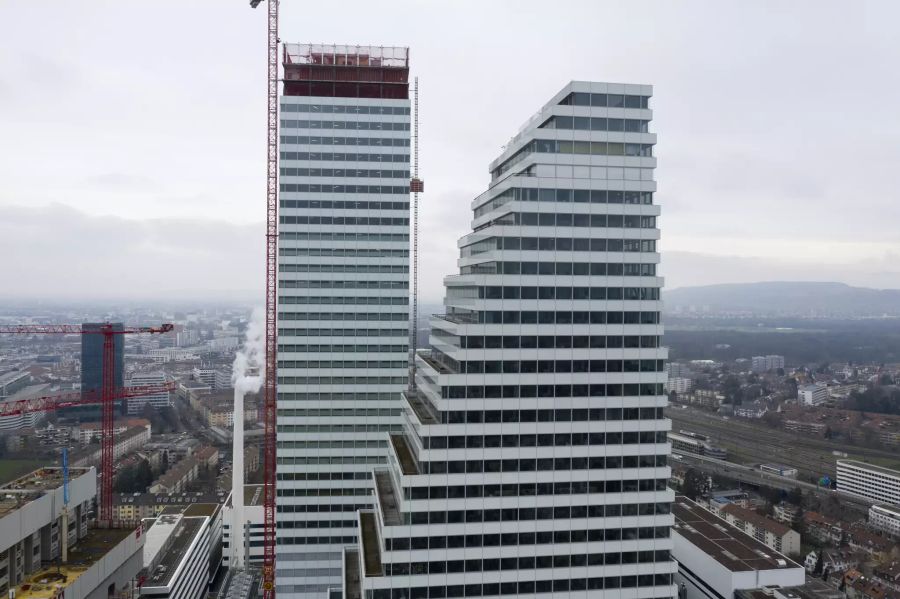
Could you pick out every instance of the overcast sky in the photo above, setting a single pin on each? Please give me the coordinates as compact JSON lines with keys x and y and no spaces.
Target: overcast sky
{"x":131,"y":133}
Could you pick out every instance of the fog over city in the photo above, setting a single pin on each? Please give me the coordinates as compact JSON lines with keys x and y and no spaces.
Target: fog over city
{"x":133,"y":145}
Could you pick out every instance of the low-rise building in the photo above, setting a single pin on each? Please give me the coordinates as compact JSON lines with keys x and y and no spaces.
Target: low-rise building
{"x":716,"y":559}
{"x":753,"y":410}
{"x":134,"y":507}
{"x":161,"y":400}
{"x":885,"y":518}
{"x":178,"y":477}
{"x":131,"y":440}
{"x":786,"y":513}
{"x":772,"y":534}
{"x":823,"y":529}
{"x":176,"y":557}
{"x":766,"y":363}
{"x":678,"y":384}
{"x":779,"y":470}
{"x":804,"y":427}
{"x":90,"y":432}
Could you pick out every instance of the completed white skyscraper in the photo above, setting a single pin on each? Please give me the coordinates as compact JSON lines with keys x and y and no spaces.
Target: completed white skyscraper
{"x":533,"y":460}
{"x":343,"y":297}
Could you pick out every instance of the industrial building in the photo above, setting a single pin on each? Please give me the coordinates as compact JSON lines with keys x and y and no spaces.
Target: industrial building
{"x":533,"y":456}
{"x":47,"y":550}
{"x":881,"y":485}
{"x":343,"y":288}
{"x":715,"y":559}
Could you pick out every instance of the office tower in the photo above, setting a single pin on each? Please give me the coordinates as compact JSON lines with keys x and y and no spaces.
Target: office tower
{"x":533,"y":460}
{"x":343,"y":296}
{"x":92,"y":368}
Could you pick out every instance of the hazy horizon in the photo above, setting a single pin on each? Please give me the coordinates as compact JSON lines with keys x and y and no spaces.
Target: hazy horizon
{"x":134,"y":162}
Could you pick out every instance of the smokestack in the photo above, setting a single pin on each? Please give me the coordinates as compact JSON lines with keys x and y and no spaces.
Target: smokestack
{"x":246,"y":376}
{"x":237,"y":482}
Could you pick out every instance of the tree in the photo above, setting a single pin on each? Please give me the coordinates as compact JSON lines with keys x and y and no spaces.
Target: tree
{"x":694,"y":483}
{"x":795,"y":496}
{"x":820,"y":563}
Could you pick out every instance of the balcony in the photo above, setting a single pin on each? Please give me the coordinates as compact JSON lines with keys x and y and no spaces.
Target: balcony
{"x":351,"y":574}
{"x":369,"y":543}
{"x":404,"y":455}
{"x":423,"y":409}
{"x":390,"y":510}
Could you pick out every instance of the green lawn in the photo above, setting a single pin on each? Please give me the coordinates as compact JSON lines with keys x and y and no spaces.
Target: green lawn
{"x":12,"y":469}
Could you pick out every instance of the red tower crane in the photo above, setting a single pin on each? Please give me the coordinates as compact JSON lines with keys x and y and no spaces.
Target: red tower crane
{"x":270,"y":382}
{"x":108,"y":392}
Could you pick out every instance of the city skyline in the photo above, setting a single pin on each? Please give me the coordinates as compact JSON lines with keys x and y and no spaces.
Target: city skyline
{"x":182,"y":182}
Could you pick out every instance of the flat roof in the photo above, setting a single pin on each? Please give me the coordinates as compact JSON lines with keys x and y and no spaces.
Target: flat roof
{"x":167,"y":564}
{"x":736,"y":551}
{"x":886,"y":507}
{"x":46,"y":582}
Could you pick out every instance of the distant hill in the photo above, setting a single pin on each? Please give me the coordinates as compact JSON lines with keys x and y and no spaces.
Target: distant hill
{"x":785,"y":298}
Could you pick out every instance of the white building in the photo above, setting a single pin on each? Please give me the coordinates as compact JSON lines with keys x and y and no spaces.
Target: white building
{"x":176,"y":557}
{"x":343,"y":296}
{"x":678,"y":385}
{"x":812,"y":395}
{"x":254,"y":519}
{"x":678,"y":370}
{"x":866,"y":480}
{"x":772,"y":534}
{"x":534,"y":453}
{"x":885,"y":518}
{"x":157,"y":400}
{"x":216,"y":378}
{"x":766,"y":363}
{"x":172,"y":354}
{"x":715,"y":559}
{"x":41,"y":540}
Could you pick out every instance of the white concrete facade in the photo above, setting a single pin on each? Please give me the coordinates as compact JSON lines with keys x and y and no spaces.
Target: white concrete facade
{"x":343,"y":321}
{"x":812,"y":395}
{"x":866,"y":480}
{"x":885,"y":518}
{"x":533,"y":460}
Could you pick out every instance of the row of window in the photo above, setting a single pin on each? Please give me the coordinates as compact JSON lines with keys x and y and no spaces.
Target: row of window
{"x":324,"y":476}
{"x":349,"y":205}
{"x":330,"y":460}
{"x":314,"y":140}
{"x":343,"y":253}
{"x":592,"y":123}
{"x":561,"y":293}
{"x":336,"y":188}
{"x":581,"y":487}
{"x":578,"y":196}
{"x":337,"y":444}
{"x":556,"y":440}
{"x":565,"y":219}
{"x":341,"y":380}
{"x":578,"y":390}
{"x":354,"y":268}
{"x":526,"y":563}
{"x":339,"y":109}
{"x":556,"y":341}
{"x":545,"y":366}
{"x":324,"y":492}
{"x":340,"y":236}
{"x":564,"y":512}
{"x":609,"y":269}
{"x":559,"y":415}
{"x":523,"y":588}
{"x":342,"y":364}
{"x":605,"y":100}
{"x":344,"y":284}
{"x":321,"y":349}
{"x":358,"y":396}
{"x":285,"y":332}
{"x":344,"y":316}
{"x":358,"y":125}
{"x":551,"y":317}
{"x":290,"y":524}
{"x":527,"y":538}
{"x":373,"y":221}
{"x":338,"y":428}
{"x":554,"y":146}
{"x":343,"y":172}
{"x":522,"y":465}
{"x":561,"y":244}
{"x":344,"y":157}
{"x":316,"y":508}
{"x":344,"y":301}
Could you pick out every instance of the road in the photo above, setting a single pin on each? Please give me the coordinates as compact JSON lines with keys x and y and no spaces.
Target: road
{"x":749,"y":475}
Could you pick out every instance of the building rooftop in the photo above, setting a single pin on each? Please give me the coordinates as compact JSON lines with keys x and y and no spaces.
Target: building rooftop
{"x":872,"y":467}
{"x":175,"y":547}
{"x":886,"y":507}
{"x":776,"y":528}
{"x":724,"y":543}
{"x":47,"y":582}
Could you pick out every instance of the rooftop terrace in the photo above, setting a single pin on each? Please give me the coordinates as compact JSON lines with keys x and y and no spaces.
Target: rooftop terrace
{"x":47,"y":582}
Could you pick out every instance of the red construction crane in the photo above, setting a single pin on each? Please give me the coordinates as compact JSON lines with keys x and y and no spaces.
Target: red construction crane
{"x":269,"y":385}
{"x":108,"y":391}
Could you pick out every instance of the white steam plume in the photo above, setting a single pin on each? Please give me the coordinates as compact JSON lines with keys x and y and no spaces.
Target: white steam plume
{"x":251,"y":357}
